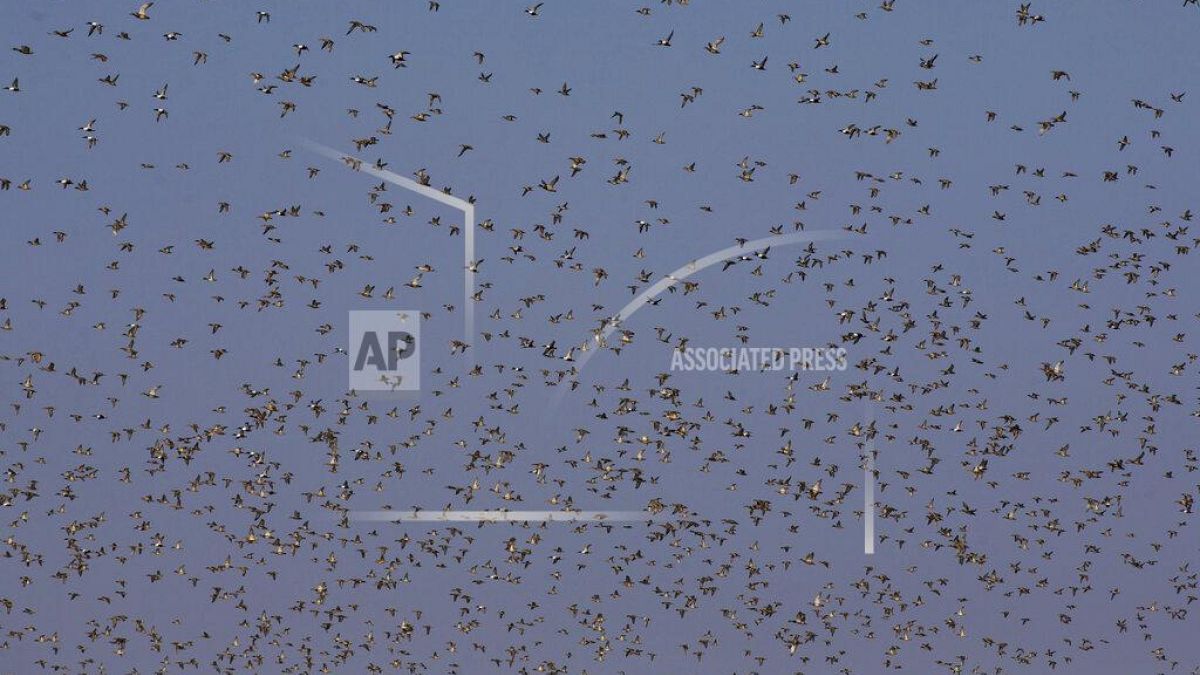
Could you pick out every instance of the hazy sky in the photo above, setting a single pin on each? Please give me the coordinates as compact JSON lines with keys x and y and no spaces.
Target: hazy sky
{"x":605,"y":53}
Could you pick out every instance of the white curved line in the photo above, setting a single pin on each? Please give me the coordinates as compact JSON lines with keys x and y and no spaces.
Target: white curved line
{"x":599,"y":339}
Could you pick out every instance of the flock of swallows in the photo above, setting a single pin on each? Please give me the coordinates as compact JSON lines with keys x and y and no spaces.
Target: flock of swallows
{"x":1034,"y":503}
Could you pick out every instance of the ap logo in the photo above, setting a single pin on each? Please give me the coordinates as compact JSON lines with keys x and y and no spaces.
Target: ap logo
{"x":385,"y":352}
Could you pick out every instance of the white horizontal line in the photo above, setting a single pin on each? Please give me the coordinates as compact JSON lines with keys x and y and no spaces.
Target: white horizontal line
{"x":499,"y":516}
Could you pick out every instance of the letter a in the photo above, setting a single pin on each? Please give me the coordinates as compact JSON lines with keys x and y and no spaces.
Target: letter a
{"x":370,"y":352}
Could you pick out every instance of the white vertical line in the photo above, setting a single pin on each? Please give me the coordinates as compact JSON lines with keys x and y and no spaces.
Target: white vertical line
{"x":869,"y":504}
{"x":469,"y":282}
{"x":869,"y":486}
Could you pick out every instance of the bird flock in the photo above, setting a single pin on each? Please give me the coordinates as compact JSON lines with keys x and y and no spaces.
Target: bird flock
{"x":987,"y":207}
